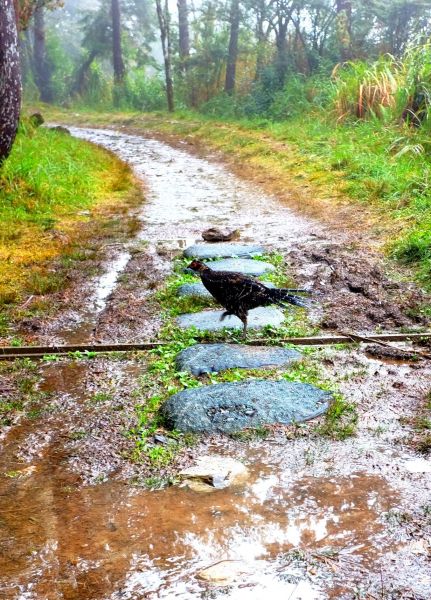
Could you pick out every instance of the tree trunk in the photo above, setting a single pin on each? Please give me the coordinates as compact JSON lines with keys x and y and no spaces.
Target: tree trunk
{"x":42,"y":72}
{"x":183,"y":33}
{"x":79,"y":85}
{"x":163,"y":17}
{"x":282,"y":60}
{"x":10,"y":78}
{"x":117,"y":55}
{"x":344,"y":28}
{"x":229,"y":85}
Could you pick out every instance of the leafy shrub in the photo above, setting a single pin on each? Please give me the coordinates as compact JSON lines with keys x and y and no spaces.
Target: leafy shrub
{"x":146,"y":93}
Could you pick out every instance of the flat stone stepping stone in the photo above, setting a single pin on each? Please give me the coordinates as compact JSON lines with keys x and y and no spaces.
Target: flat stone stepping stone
{"x":209,"y":320}
{"x":232,"y":407}
{"x":213,"y":358}
{"x":247,"y":266}
{"x":198,"y":290}
{"x":223,"y":250}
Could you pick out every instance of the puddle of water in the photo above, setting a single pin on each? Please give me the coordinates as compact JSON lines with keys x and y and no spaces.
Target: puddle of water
{"x":113,"y":541}
{"x":107,"y":282}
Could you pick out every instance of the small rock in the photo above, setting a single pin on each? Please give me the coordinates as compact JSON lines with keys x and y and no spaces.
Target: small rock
{"x":223,"y":250}
{"x":213,"y":234}
{"x":224,"y":572}
{"x":60,"y":129}
{"x":160,"y":439}
{"x":213,"y":358}
{"x":36,"y":119}
{"x":214,"y":472}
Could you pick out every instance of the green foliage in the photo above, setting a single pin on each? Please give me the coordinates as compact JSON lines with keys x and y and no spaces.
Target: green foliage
{"x":145,"y":93}
{"x":364,"y":90}
{"x":35,"y":184}
{"x":47,"y":180}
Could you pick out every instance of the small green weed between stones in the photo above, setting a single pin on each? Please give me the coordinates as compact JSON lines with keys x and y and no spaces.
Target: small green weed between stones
{"x":340,"y":419}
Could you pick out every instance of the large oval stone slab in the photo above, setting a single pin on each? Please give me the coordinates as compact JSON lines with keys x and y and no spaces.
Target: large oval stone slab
{"x":209,"y":320}
{"x":198,"y":290}
{"x":223,"y":250}
{"x":232,"y":407}
{"x":212,"y":358}
{"x":247,"y":266}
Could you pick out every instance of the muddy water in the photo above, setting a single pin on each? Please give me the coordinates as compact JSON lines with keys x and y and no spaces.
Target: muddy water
{"x":116,"y":540}
{"x":60,"y":539}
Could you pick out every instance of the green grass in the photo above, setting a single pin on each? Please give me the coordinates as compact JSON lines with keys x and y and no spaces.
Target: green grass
{"x":52,"y":188}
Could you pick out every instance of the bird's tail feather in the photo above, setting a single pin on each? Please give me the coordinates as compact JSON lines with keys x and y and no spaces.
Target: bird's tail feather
{"x":282,"y":296}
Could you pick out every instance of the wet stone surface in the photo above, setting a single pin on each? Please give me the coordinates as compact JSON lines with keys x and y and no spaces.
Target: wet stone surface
{"x":223,"y":250}
{"x":209,"y":320}
{"x":233,"y":407}
{"x":199,"y":290}
{"x":213,"y":472}
{"x":212,"y":358}
{"x":247,"y":266}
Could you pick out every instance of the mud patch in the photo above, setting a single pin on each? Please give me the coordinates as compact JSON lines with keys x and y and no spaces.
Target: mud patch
{"x":354,"y":291}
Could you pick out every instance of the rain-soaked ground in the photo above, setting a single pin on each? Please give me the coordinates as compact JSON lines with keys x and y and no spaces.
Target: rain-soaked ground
{"x":316,"y":519}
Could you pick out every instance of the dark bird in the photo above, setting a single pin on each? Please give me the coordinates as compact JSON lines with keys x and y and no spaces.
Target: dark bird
{"x":238,"y":293}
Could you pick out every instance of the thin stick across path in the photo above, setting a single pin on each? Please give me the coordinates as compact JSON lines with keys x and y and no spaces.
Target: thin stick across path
{"x":12,"y":352}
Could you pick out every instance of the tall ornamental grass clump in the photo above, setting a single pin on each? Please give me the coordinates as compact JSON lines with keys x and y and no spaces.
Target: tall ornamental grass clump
{"x":364,"y":91}
{"x":414,"y":96}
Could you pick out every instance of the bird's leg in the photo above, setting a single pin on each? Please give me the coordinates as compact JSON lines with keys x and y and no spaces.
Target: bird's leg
{"x":244,"y":333}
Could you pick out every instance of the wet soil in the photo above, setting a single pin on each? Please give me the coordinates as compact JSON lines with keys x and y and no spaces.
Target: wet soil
{"x":318,"y":518}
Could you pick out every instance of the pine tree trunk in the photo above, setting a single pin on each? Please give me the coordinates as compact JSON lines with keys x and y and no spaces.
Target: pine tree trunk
{"x":41,"y":68}
{"x":10,"y":78}
{"x":117,"y":55}
{"x":344,"y":28}
{"x":229,"y":85}
{"x":163,"y":17}
{"x":183,"y":33}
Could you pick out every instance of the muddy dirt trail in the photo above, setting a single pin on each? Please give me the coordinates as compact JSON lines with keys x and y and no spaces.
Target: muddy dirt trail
{"x":317,"y":519}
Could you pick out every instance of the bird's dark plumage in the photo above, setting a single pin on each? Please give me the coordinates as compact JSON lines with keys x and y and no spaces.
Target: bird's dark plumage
{"x":239,"y":293}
